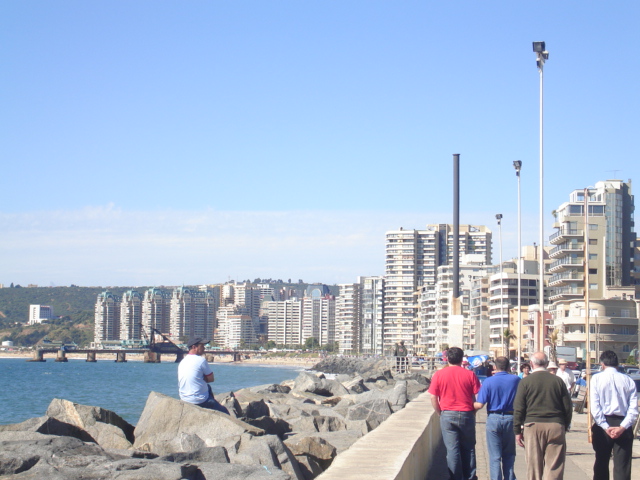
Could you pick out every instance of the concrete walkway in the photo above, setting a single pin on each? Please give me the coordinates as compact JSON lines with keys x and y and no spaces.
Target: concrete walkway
{"x":578,"y":464}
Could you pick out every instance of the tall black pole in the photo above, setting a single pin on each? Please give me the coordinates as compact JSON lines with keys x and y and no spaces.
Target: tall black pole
{"x":456,"y":225}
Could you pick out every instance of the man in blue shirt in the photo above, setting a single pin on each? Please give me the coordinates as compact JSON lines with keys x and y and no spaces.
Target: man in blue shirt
{"x":498,"y":393}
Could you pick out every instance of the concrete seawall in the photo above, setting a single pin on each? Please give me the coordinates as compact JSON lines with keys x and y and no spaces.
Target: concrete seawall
{"x":401,"y":448}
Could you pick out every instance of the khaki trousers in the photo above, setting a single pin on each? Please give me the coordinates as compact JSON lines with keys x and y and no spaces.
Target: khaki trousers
{"x":544,"y":450}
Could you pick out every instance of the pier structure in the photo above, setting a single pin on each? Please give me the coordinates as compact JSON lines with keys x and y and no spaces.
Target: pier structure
{"x":120,"y":355}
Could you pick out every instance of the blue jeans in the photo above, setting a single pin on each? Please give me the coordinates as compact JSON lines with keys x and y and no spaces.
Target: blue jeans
{"x":212,"y":404}
{"x":459,"y":436}
{"x":501,"y":443}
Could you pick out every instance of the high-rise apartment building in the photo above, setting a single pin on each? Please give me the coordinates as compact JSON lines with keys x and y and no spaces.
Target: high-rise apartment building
{"x":349,"y":318}
{"x":107,"y":317}
{"x":192,"y":314}
{"x":611,"y":241}
{"x":594,"y":249}
{"x":130,"y":315}
{"x":319,"y":318}
{"x":436,"y":303}
{"x":156,"y":311}
{"x":372,"y":303}
{"x":412,"y":259}
{"x":284,"y":321}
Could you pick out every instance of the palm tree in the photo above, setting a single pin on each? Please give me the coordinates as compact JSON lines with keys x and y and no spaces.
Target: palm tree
{"x":553,"y":340}
{"x":507,"y":335}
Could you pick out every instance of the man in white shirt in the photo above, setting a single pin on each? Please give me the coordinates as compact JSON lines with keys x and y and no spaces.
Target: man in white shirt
{"x":566,"y":375}
{"x":614,"y":406}
{"x":194,"y":375}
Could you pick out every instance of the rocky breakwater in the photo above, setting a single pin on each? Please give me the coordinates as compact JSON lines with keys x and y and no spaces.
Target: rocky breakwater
{"x":292,"y":430}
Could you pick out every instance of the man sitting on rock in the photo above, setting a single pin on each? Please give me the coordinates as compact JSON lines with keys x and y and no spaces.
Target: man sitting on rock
{"x":194,"y":375}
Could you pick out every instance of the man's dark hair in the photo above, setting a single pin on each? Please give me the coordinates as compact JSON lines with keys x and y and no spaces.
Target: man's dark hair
{"x":502,"y":364}
{"x":609,"y":358}
{"x":454,"y":355}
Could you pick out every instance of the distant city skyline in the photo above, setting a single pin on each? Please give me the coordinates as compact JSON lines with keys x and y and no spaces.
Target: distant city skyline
{"x":148,"y":144}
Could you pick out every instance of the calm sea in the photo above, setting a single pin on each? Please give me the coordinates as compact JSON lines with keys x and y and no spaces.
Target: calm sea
{"x":27,"y":388}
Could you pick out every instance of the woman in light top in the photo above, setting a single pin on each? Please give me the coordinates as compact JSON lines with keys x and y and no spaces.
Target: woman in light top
{"x":525,"y":368}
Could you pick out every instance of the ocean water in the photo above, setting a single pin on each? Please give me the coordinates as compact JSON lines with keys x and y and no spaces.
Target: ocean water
{"x":27,"y":388}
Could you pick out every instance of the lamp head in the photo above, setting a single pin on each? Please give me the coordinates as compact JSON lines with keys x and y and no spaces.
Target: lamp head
{"x":517,"y":164}
{"x":498,"y":217}
{"x":538,"y":47}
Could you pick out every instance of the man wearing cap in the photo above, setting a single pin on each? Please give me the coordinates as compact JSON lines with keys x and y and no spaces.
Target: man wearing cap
{"x":194,"y":375}
{"x":566,"y":375}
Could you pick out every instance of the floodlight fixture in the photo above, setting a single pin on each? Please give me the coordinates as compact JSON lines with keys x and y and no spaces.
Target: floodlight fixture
{"x":517,"y":164}
{"x":538,"y":47}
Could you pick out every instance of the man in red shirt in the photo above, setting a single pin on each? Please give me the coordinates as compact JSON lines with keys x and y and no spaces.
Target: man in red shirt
{"x":453,"y":391}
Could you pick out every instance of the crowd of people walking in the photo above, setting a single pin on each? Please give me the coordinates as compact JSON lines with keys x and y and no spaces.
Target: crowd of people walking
{"x":532,"y":410}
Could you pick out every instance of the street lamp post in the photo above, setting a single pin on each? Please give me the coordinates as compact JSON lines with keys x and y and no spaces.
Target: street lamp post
{"x":499,"y":218}
{"x":517,"y":164}
{"x":541,"y":56}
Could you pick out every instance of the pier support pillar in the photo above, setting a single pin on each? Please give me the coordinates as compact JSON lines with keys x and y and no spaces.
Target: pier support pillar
{"x":237,"y":357}
{"x":62,"y":356}
{"x":38,"y":356}
{"x":91,"y":356}
{"x":121,"y":357}
{"x":210,"y":357}
{"x":179,"y":357}
{"x":151,"y":357}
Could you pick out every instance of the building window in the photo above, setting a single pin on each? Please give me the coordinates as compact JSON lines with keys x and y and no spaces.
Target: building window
{"x":625,"y":313}
{"x":592,"y":329}
{"x":625,"y":330}
{"x":593,"y":241}
{"x":593,"y":226}
{"x":593,"y":256}
{"x":593,"y":286}
{"x":626,"y":349}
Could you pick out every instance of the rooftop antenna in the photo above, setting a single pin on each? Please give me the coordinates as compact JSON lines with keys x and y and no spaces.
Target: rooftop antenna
{"x":615,"y":172}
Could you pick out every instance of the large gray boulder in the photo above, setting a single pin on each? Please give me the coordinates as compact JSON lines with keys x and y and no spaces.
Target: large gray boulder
{"x":318,"y":448}
{"x":374,"y":412}
{"x":108,"y":429}
{"x":168,"y":425}
{"x":319,"y":385}
{"x":216,"y":471}
{"x":267,"y":450}
{"x":398,"y":396}
{"x":49,"y":426}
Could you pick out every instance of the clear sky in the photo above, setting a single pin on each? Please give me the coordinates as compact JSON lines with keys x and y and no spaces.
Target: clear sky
{"x":165,"y":142}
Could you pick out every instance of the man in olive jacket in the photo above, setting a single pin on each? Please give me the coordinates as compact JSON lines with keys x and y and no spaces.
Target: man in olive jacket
{"x":542,"y":416}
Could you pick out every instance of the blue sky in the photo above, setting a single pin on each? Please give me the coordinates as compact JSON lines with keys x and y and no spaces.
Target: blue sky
{"x":164,"y":142}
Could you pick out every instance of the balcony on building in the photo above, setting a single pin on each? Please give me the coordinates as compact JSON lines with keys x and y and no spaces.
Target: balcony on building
{"x":564,"y":234}
{"x":566,"y":263}
{"x":566,"y":248}
{"x":566,"y":278}
{"x":566,"y":293}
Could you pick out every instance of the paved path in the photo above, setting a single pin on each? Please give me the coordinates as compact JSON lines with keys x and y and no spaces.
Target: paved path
{"x":578,"y":465}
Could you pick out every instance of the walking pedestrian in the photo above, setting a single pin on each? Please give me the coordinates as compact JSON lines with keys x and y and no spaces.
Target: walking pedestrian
{"x":525,"y":369}
{"x":614,"y":406}
{"x":566,"y":375}
{"x":542,"y":416}
{"x":453,"y":391}
{"x":498,"y":393}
